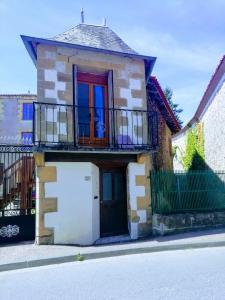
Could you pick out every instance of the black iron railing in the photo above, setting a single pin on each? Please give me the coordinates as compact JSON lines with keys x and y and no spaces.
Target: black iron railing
{"x":17,"y":180}
{"x":62,"y":125}
{"x":17,"y":193}
{"x":192,"y":191}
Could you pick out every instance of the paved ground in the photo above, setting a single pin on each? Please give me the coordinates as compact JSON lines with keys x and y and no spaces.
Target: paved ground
{"x":29,"y":252}
{"x":185,"y":274}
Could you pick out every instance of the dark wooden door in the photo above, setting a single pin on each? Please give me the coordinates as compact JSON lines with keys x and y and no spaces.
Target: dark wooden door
{"x":113,"y":202}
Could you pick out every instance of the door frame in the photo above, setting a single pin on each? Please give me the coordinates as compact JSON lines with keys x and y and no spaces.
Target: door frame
{"x":110,"y":167}
{"x":94,"y":80}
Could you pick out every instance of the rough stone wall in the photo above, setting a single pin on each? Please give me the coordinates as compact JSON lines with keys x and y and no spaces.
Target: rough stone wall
{"x":55,"y":85}
{"x":44,"y":174}
{"x":163,"y":158}
{"x":175,"y":223}
{"x":11,"y":120}
{"x":139,"y":198}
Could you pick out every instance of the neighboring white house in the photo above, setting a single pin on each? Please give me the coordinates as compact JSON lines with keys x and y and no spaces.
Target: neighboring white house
{"x":211,"y":114}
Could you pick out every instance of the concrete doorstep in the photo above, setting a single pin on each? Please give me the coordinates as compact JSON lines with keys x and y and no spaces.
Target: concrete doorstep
{"x":27,"y":255}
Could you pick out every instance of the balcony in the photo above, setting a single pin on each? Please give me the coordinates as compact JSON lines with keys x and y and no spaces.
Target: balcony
{"x":68,"y":127}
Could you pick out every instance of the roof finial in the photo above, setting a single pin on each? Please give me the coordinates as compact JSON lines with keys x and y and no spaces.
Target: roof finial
{"x":82,"y":15}
{"x":104,"y":21}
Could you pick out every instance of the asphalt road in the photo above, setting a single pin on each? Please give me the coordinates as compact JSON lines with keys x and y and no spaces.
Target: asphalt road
{"x":188,"y":274}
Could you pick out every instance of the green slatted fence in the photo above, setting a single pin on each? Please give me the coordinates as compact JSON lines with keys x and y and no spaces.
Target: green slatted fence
{"x":178,"y":192}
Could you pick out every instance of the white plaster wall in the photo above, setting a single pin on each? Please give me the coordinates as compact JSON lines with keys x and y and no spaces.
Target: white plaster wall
{"x":214,"y":130}
{"x":213,"y":120}
{"x":180,"y":142}
{"x":77,"y":220}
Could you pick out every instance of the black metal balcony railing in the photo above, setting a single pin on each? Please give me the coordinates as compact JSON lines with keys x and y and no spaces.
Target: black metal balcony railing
{"x":62,"y":125}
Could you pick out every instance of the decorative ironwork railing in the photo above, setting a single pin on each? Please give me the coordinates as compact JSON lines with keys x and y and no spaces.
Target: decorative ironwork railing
{"x":94,"y":127}
{"x":17,"y":180}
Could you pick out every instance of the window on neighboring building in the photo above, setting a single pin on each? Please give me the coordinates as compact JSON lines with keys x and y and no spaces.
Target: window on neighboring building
{"x":27,"y":138}
{"x":27,"y":111}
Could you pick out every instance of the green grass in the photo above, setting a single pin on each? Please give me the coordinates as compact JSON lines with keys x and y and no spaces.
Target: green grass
{"x":79,"y":257}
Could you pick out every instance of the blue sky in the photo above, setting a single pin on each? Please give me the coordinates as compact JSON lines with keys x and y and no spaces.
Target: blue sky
{"x":188,"y":38}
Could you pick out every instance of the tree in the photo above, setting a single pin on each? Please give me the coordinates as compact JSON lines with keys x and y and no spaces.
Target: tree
{"x":174,"y":106}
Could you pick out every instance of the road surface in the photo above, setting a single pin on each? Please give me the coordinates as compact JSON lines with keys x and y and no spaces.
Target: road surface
{"x":188,"y":274}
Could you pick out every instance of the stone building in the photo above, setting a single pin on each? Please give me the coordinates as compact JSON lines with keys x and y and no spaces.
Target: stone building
{"x":16,"y":116}
{"x":167,"y":125}
{"x":95,"y":133}
{"x":210,"y":114}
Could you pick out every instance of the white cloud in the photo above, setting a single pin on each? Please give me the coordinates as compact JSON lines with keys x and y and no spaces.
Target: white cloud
{"x":184,"y":64}
{"x":197,"y":56}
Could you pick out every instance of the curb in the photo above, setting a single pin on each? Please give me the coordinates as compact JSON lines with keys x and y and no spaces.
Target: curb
{"x":87,"y":256}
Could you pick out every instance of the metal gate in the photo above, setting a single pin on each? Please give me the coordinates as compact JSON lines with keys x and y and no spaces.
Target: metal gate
{"x":17,"y":193}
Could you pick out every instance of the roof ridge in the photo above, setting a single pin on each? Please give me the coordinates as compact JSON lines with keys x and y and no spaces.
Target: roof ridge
{"x":211,"y":79}
{"x":154,"y":78}
{"x":70,"y":28}
{"x":93,"y":25}
{"x":202,"y":105}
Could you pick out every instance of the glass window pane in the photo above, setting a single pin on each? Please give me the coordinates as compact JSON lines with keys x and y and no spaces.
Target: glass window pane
{"x":83,"y":110}
{"x":31,"y":111}
{"x":107,"y":186}
{"x":119,"y":188}
{"x":99,"y":111}
{"x":27,"y":138}
{"x":27,"y":111}
{"x":24,"y":111}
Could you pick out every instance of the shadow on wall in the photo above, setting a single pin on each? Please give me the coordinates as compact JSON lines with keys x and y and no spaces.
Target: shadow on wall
{"x":198,"y":163}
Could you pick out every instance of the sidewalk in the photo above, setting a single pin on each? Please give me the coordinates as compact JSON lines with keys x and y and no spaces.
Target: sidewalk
{"x":25,"y":255}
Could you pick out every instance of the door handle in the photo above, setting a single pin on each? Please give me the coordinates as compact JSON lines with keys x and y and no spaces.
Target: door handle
{"x":95,"y":197}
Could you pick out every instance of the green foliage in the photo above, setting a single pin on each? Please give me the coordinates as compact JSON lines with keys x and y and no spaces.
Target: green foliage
{"x":174,"y":106}
{"x":194,"y":156}
{"x":79,"y":257}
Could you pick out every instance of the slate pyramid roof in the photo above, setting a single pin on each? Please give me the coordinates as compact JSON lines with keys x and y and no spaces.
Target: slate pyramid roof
{"x":101,"y":37}
{"x":89,"y":37}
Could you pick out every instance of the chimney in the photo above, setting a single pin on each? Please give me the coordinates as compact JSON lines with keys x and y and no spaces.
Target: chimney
{"x":104,"y":21}
{"x":82,"y":15}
